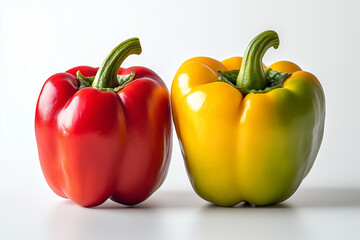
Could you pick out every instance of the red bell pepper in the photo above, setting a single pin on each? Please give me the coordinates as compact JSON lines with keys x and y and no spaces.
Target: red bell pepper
{"x":105,"y":136}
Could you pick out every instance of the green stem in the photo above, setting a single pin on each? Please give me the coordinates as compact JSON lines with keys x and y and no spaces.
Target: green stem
{"x":252,"y":75}
{"x":106,"y":77}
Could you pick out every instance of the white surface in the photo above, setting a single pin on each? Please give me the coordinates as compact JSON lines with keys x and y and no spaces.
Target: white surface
{"x":312,"y":213}
{"x":40,"y":38}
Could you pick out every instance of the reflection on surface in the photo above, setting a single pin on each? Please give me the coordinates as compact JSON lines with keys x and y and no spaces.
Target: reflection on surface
{"x":184,"y":215}
{"x":69,"y":221}
{"x":303,"y":198}
{"x":326,"y":198}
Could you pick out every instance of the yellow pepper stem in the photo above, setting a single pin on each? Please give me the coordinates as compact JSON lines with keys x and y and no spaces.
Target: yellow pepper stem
{"x":252,"y":74}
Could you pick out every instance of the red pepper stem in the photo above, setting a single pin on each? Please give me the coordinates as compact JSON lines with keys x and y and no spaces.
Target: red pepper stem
{"x":106,"y":76}
{"x":252,"y":74}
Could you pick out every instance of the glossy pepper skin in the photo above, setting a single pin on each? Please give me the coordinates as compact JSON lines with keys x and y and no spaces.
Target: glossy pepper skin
{"x":255,"y":146}
{"x":111,"y":143}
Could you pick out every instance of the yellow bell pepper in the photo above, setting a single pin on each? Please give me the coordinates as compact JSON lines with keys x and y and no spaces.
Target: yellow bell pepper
{"x":247,"y":133}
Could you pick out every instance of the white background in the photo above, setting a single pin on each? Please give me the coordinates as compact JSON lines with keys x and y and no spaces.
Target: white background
{"x":41,"y":38}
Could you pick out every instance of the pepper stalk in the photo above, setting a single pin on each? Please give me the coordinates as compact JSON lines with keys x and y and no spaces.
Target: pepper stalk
{"x":252,"y":74}
{"x":106,"y":78}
